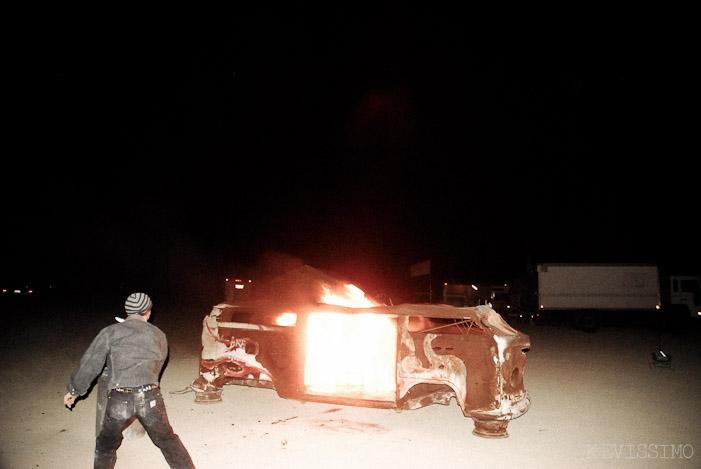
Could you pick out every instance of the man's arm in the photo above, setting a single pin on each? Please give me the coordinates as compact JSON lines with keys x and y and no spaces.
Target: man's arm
{"x":89,"y":367}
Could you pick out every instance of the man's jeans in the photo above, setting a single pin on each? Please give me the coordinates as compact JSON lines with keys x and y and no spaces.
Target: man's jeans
{"x":149,"y":408}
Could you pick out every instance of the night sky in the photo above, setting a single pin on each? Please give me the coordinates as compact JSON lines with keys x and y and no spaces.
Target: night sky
{"x":167,"y":151}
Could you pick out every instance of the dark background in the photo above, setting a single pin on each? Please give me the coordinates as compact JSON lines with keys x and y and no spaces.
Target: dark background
{"x":165,"y":151}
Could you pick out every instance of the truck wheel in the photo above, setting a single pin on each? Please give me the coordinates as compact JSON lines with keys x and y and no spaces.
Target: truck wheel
{"x":588,"y":321}
{"x":490,"y":428}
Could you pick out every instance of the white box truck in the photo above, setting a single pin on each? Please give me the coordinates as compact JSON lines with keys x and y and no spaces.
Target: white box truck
{"x":586,"y":292}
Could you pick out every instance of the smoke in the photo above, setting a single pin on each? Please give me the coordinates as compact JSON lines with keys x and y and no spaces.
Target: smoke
{"x":273,"y":264}
{"x":287,"y":282}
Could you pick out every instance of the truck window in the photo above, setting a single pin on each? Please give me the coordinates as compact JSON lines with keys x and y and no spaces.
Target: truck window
{"x":691,"y":286}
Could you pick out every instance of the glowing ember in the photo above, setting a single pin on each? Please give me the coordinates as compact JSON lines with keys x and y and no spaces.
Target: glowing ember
{"x":351,"y":355}
{"x":349,"y":295}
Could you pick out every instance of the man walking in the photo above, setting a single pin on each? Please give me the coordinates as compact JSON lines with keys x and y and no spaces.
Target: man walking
{"x":134,"y":351}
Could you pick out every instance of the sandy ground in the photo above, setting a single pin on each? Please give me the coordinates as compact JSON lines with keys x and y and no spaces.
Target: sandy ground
{"x":595,"y":403}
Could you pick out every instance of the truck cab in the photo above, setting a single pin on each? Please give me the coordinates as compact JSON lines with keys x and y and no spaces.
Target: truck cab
{"x":682,"y":294}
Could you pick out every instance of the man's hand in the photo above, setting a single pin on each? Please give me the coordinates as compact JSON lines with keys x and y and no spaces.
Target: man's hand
{"x":69,"y":400}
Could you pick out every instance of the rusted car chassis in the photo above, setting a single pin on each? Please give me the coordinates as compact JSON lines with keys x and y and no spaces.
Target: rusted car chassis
{"x":436,"y":352}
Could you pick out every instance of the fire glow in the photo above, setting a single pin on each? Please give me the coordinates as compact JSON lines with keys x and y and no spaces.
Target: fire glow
{"x":350,"y":296}
{"x":351,"y":354}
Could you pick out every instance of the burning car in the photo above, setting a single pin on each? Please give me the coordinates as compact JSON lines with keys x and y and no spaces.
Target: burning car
{"x":325,"y":341}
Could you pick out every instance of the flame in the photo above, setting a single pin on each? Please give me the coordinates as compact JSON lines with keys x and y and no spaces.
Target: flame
{"x":349,"y":295}
{"x":287,"y":319}
{"x":351,"y":355}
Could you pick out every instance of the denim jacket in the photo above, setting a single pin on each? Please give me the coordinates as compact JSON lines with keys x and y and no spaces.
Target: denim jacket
{"x":134,"y":352}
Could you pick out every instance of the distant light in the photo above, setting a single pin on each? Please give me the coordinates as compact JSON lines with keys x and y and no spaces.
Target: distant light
{"x":30,"y":291}
{"x":474,"y":287}
{"x":657,"y":306}
{"x":18,"y":291}
{"x":227,"y":280}
{"x":541,"y":306}
{"x":4,"y":290}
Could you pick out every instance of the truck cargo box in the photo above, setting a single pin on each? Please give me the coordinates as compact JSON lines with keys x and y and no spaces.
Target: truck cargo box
{"x":614,"y":287}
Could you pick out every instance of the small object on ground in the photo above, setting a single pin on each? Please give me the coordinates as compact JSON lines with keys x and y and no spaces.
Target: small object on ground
{"x":661,"y":360}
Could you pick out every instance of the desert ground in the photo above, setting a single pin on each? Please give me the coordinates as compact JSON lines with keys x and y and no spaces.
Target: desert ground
{"x":596,"y":402}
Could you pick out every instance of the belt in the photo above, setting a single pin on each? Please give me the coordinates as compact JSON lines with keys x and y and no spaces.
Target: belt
{"x":144,"y":388}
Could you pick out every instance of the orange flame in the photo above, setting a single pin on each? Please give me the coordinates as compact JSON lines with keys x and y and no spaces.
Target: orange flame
{"x":351,"y":354}
{"x":349,"y":295}
{"x":287,"y":319}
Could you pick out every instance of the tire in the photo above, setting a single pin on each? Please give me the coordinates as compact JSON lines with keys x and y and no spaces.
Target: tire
{"x":588,"y":321}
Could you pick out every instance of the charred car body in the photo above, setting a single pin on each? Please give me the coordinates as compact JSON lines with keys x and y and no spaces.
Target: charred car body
{"x":401,"y":357}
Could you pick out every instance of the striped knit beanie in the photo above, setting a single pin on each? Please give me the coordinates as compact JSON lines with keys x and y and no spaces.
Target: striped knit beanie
{"x":137,"y":303}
